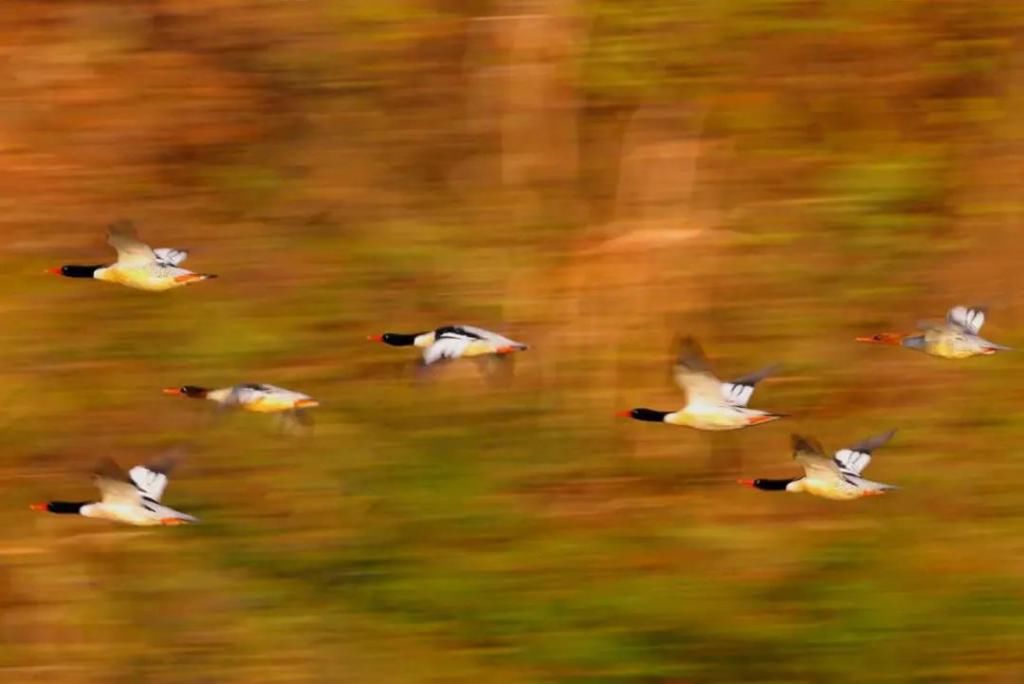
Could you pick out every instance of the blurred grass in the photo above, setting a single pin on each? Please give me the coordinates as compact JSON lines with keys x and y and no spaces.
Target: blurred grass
{"x":353,"y":168}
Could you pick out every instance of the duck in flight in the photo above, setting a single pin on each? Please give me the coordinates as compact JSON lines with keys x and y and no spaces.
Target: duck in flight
{"x":710,"y":403}
{"x":453,"y":342}
{"x":254,"y":397}
{"x":138,"y":265}
{"x":955,"y":338}
{"x":835,"y":478}
{"x":132,"y":498}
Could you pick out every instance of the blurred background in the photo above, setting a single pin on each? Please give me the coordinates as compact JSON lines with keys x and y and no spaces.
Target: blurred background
{"x":593,"y":177}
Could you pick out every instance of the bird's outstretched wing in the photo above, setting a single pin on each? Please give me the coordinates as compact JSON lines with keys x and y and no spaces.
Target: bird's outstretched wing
{"x":114,"y":484}
{"x":739,"y":391}
{"x":854,"y":459}
{"x":151,"y":479}
{"x":446,"y":346}
{"x":693,"y":374}
{"x":169,"y":256}
{"x":496,"y":370}
{"x":131,"y":251}
{"x":296,"y":422}
{"x":969,"y":318}
{"x":807,"y":452}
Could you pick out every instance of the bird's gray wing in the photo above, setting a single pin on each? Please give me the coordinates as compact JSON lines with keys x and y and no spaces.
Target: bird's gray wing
{"x":114,"y":484}
{"x":807,"y":452}
{"x":693,"y":374}
{"x":131,"y":251}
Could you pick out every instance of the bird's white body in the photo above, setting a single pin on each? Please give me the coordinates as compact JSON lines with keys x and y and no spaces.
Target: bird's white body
{"x":837,"y":478}
{"x":958,"y":337}
{"x":711,"y":404}
{"x":132,"y":498}
{"x":713,"y":416}
{"x":836,"y":488}
{"x":261,"y":398}
{"x":463,"y":341}
{"x":155,"y":277}
{"x":141,"y":267}
{"x":142,"y":514}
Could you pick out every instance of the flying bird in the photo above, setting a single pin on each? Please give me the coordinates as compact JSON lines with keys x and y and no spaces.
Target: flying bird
{"x":132,"y":498}
{"x":138,"y":265}
{"x":255,"y":397}
{"x":955,"y":338}
{"x":453,"y":342}
{"x":710,"y":403}
{"x":835,"y":478}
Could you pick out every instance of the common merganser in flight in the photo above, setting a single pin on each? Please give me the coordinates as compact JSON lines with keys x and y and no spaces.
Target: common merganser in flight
{"x":835,"y":478}
{"x":255,"y":397}
{"x":955,"y":338}
{"x":710,"y":403}
{"x":452,"y":342}
{"x":138,"y":265}
{"x":132,"y":497}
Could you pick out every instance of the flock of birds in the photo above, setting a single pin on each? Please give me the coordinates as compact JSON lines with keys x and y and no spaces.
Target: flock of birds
{"x":716,"y":405}
{"x":134,"y":497}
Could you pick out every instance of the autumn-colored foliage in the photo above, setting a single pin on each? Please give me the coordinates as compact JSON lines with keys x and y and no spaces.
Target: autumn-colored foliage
{"x":594,"y":177}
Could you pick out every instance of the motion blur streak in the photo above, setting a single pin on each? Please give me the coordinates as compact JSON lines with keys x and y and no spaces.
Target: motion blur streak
{"x":595,"y":178}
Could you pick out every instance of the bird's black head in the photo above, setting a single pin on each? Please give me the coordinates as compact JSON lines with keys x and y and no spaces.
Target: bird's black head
{"x":397,"y":339}
{"x":67,"y":507}
{"x":767,"y":485}
{"x":73,"y":271}
{"x":646,"y":414}
{"x":188,"y":391}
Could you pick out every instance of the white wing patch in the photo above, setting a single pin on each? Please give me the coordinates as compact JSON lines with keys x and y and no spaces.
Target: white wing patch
{"x":170,"y":256}
{"x":445,"y":347}
{"x":737,"y":394}
{"x":969,"y":319}
{"x":851,"y":461}
{"x":150,"y":483}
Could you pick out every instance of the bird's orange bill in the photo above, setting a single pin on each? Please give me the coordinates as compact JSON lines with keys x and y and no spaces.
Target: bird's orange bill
{"x":882,"y":338}
{"x":375,"y":338}
{"x":38,"y":507}
{"x":627,"y":413}
{"x":171,"y":390}
{"x":873,"y":493}
{"x":504,"y":350}
{"x":745,"y":483}
{"x":56,"y":270}
{"x":757,"y":420}
{"x":306,"y":403}
{"x":173,"y":521}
